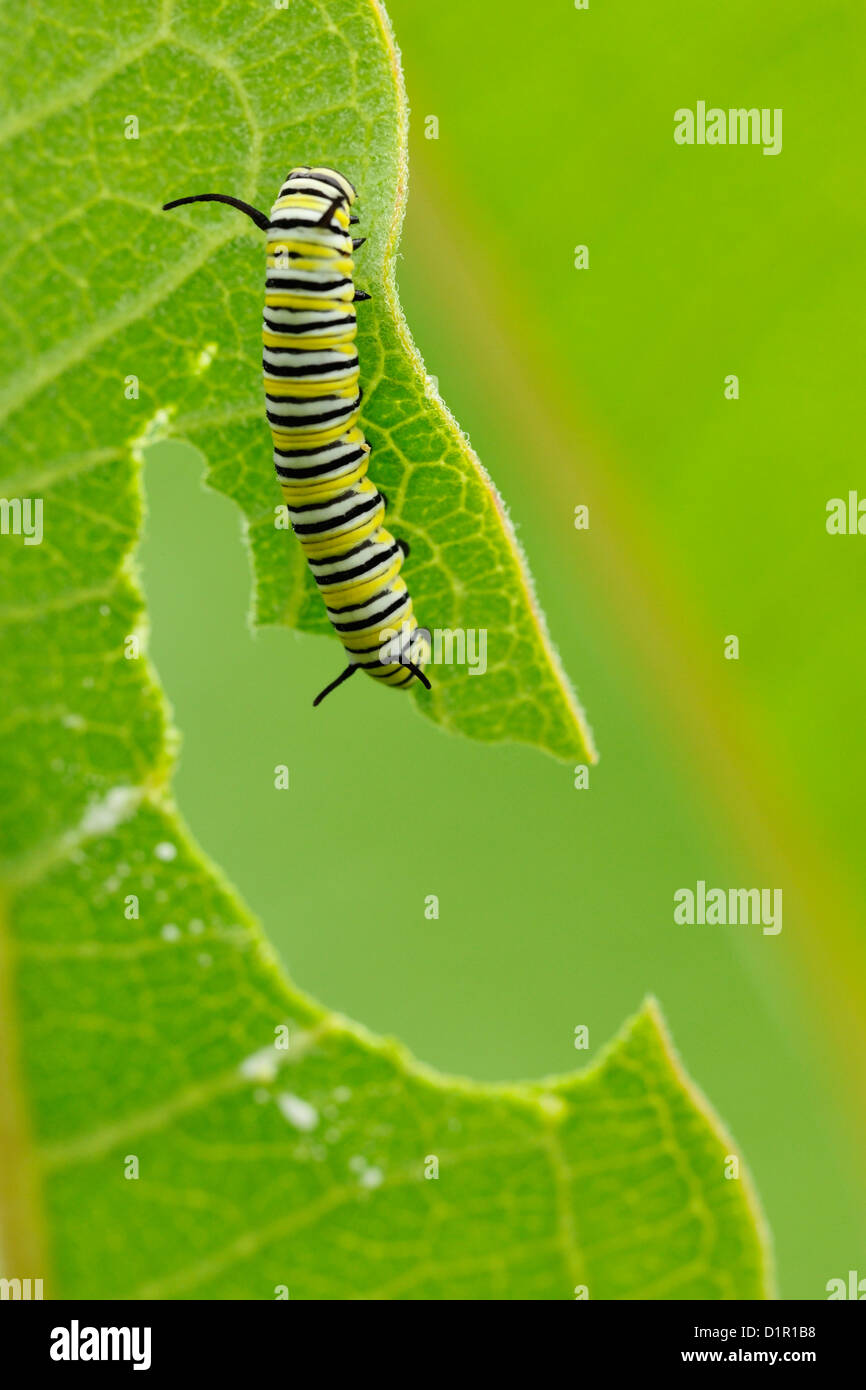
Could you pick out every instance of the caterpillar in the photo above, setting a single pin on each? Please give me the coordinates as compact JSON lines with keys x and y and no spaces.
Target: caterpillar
{"x":313,"y":404}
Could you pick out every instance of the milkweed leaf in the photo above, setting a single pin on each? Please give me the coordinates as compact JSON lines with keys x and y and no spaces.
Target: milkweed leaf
{"x":156,"y":1138}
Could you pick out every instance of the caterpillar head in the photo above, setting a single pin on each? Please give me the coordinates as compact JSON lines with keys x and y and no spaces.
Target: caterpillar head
{"x":320,"y":181}
{"x":328,"y":176}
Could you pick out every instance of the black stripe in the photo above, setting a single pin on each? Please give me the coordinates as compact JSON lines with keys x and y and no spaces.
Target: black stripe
{"x":358,"y":572}
{"x":311,"y":450}
{"x":304,"y":422}
{"x":317,"y":506}
{"x":346,"y":461}
{"x":291,"y":282}
{"x":322,"y":261}
{"x":377,"y":648}
{"x":383,"y":675}
{"x":348,"y":365}
{"x":313,"y":178}
{"x":341,"y":608}
{"x":290,"y":224}
{"x":292,"y":330}
{"x":317,"y":528}
{"x":344,"y":555}
{"x":367,"y":651}
{"x":374,"y":620}
{"x":305,"y":400}
{"x":376,"y":668}
{"x":321,"y":470}
{"x":311,"y":347}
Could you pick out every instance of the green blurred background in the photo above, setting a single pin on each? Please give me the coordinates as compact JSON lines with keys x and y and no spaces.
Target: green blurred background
{"x":602,"y":386}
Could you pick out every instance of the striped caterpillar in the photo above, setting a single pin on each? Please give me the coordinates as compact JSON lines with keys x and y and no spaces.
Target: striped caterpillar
{"x":313,"y":403}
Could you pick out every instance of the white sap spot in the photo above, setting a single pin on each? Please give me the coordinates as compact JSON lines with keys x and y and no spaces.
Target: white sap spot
{"x":196,"y":926}
{"x":342,"y":1093}
{"x":298,"y":1112}
{"x":554,"y":1106}
{"x":111,"y":885}
{"x":170,"y":932}
{"x":103,"y":816}
{"x":366,"y":1173}
{"x":104,"y":610}
{"x":205,"y":357}
{"x":260,"y":1066}
{"x":153,"y":430}
{"x":204,"y":959}
{"x":165,"y":851}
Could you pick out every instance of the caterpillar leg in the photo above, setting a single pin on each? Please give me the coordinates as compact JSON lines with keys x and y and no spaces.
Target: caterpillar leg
{"x":343,"y":676}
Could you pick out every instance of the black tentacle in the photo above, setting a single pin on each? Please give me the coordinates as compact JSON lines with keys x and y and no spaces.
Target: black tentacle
{"x":261,"y":219}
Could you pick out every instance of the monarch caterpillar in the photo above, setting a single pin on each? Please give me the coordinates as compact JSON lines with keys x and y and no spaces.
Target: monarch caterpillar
{"x":313,"y":403}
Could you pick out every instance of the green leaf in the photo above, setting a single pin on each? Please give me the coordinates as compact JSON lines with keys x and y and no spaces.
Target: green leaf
{"x":465,"y":570}
{"x":155,"y":1142}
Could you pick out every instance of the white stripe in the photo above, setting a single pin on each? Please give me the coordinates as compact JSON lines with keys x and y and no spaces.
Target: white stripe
{"x":335,"y":511}
{"x":300,"y":357}
{"x":323,"y":406}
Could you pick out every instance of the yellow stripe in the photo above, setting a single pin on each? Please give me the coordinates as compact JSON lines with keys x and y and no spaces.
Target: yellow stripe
{"x":281,"y":299}
{"x":345,"y":349}
{"x":374,"y":631}
{"x":360,"y":593}
{"x":344,"y":387}
{"x":378,"y":626}
{"x":340,"y":265}
{"x":323,"y":344}
{"x":310,"y":202}
{"x":366,"y":648}
{"x":293,"y":443}
{"x":310,"y":248}
{"x":308,"y":439}
{"x":395,"y":675}
{"x":298,"y":493}
{"x":320,"y":550}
